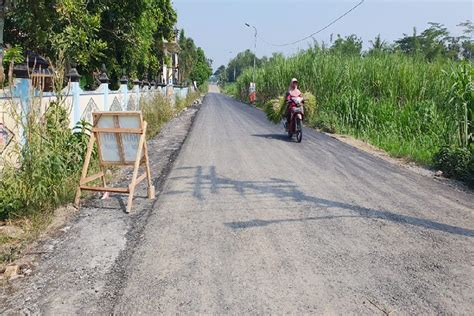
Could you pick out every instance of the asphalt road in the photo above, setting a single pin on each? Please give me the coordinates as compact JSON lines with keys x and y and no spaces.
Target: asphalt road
{"x":250,"y":222}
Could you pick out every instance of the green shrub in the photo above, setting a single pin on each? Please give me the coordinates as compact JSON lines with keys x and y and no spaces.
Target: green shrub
{"x":48,"y":167}
{"x":182,"y":103}
{"x":204,"y":87}
{"x":326,"y":123}
{"x":455,"y":162}
{"x":230,"y":89}
{"x":156,"y":112}
{"x":159,"y":109}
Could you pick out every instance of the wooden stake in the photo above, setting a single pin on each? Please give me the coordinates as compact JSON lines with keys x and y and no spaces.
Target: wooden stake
{"x":151,"y":187}
{"x":138,"y":158}
{"x":85,"y":168}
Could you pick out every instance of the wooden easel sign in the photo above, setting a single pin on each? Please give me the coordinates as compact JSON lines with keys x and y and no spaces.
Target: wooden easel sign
{"x":120,"y":139}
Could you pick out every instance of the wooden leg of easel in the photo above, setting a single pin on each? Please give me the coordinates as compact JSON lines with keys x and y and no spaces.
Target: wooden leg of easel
{"x":136,"y":166}
{"x":104,"y":183}
{"x":85,"y":168}
{"x":131,"y":188}
{"x":151,"y":188}
{"x":78,"y":196}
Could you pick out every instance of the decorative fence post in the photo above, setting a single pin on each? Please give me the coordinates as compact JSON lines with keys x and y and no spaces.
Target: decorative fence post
{"x":124,"y":91}
{"x":136,"y":91}
{"x":152,"y":89}
{"x":76,"y":90}
{"x":169,"y":86}
{"x":145,"y":90}
{"x":104,"y":87}
{"x":22,"y":92}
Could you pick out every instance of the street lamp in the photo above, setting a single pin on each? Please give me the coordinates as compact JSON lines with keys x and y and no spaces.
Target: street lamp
{"x":234,"y":66}
{"x":255,"y":49}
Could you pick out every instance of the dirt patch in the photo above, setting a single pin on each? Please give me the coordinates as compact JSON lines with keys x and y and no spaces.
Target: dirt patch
{"x":19,"y":239}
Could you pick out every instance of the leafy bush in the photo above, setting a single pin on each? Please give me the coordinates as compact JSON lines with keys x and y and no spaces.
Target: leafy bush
{"x":182,"y":103}
{"x":49,"y":165}
{"x":230,"y":89}
{"x":159,"y":109}
{"x":455,"y":162}
{"x":204,"y":87}
{"x":156,"y":112}
{"x":326,"y":123}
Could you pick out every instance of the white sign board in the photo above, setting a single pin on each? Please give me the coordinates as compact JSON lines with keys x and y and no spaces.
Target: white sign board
{"x":118,"y":148}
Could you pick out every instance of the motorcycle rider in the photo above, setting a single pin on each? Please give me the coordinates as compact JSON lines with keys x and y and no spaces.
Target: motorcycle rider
{"x":293,"y":92}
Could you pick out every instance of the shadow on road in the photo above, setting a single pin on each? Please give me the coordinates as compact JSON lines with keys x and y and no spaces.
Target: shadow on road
{"x":287,"y":190}
{"x":274,"y":136}
{"x":261,"y":223}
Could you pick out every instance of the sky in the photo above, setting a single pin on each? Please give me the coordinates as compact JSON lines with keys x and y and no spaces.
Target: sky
{"x":218,"y":26}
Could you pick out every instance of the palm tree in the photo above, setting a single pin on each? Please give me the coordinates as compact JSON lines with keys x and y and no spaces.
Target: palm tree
{"x":378,"y":45}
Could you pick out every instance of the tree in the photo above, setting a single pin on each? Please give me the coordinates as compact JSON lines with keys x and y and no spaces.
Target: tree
{"x":436,"y":42}
{"x":351,"y":45}
{"x":467,"y":45}
{"x":221,"y":74}
{"x":4,"y":8}
{"x":239,"y":63}
{"x":201,"y":70}
{"x":78,"y":37}
{"x":187,"y":56}
{"x":119,"y":33}
{"x":378,"y":46}
{"x":220,"y":70}
{"x":194,"y":65}
{"x":409,"y":44}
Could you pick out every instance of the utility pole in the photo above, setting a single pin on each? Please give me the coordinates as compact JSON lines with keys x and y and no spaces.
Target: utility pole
{"x":253,"y":87}
{"x":255,"y":49}
{"x":234,"y":65}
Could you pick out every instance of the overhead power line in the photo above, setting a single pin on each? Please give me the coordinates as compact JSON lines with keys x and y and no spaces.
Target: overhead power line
{"x":318,"y":31}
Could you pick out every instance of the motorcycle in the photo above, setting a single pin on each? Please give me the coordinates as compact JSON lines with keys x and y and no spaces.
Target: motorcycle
{"x":295,"y":126}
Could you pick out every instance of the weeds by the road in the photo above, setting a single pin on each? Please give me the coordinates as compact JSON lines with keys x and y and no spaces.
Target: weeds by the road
{"x":403,"y":104}
{"x":49,"y":161}
{"x":160,"y":110}
{"x":230,"y":89}
{"x":156,"y":112}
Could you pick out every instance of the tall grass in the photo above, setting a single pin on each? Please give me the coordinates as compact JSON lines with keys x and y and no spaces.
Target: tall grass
{"x":156,"y":111}
{"x":48,"y":166}
{"x":159,"y":109}
{"x":396,"y":102}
